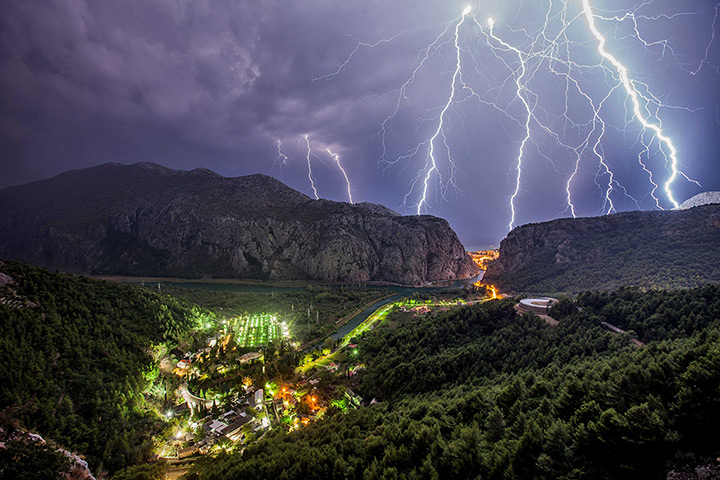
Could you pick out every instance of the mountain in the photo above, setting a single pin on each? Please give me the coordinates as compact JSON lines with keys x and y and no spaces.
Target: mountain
{"x":664,"y":249}
{"x":705,"y":198}
{"x":148,"y":220}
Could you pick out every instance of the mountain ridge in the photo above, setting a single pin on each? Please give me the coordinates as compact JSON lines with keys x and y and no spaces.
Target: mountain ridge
{"x":666,"y":249}
{"x":148,"y":220}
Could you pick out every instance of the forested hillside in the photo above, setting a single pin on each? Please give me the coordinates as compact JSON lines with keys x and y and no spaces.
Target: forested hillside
{"x":667,"y":249}
{"x":74,"y":354}
{"x":484,"y":393}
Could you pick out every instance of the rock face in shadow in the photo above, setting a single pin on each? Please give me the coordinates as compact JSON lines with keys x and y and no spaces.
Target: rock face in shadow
{"x":148,"y":220}
{"x":665,"y":249}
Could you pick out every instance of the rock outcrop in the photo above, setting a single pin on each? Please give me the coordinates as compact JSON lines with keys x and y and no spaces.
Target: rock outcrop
{"x":649,"y":249}
{"x":148,"y":220}
{"x":705,"y":198}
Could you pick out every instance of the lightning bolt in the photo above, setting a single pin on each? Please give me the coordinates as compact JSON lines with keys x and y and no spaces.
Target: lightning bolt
{"x":358,"y":44}
{"x":440,"y":132}
{"x":534,"y":57}
{"x":309,"y":165}
{"x":347,"y":180}
{"x":634,"y":96}
{"x":281,"y":158}
{"x":523,"y":99}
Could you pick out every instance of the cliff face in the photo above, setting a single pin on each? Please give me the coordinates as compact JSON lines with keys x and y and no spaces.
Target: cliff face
{"x":148,"y":220}
{"x":649,"y":249}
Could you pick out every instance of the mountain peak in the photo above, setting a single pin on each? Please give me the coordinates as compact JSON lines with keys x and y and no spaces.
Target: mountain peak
{"x":705,"y":198}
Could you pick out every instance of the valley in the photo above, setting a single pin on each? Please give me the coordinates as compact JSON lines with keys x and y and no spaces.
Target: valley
{"x":230,"y":396}
{"x":360,"y":240}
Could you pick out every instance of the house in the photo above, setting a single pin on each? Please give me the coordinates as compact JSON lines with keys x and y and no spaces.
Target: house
{"x":214,"y":426}
{"x":228,"y":416}
{"x":234,"y":430}
{"x":355,"y":370}
{"x":187,"y":451}
{"x":259,"y":397}
{"x":249,"y":357}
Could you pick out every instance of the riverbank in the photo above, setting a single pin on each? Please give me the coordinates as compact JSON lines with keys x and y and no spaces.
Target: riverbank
{"x":269,"y":285}
{"x":370,"y":306}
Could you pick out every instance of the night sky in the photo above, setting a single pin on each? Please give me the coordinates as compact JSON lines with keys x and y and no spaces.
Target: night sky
{"x":217,"y":84}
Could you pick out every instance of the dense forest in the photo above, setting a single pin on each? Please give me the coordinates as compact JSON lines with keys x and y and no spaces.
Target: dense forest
{"x":75,"y":356}
{"x":484,"y":393}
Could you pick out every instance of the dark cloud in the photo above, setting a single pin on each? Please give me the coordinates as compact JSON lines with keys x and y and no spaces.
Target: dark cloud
{"x":217,"y":83}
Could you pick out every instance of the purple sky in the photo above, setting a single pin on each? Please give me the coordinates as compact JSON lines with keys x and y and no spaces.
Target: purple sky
{"x":216,"y":84}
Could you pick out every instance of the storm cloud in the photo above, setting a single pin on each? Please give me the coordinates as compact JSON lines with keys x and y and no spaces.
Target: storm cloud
{"x":217,"y":84}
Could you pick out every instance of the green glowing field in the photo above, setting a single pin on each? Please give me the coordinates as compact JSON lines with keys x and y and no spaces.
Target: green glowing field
{"x":258,"y":330}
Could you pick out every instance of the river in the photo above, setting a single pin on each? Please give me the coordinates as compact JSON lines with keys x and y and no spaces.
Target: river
{"x":254,"y":288}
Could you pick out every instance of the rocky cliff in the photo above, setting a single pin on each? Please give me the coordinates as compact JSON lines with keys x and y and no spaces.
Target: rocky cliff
{"x":148,"y":220}
{"x":649,"y":249}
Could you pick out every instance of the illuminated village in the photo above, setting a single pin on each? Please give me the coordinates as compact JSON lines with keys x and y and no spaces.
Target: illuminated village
{"x":482,"y":258}
{"x":248,"y":377}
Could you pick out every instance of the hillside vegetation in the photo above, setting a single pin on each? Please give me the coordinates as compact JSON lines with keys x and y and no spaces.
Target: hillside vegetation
{"x":312,"y":311}
{"x":75,"y":355}
{"x":484,"y":393}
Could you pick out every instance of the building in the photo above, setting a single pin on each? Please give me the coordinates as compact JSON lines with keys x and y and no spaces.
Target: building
{"x":259,"y":398}
{"x":187,"y":451}
{"x":234,"y":430}
{"x":215,"y":426}
{"x":540,"y":306}
{"x":249,"y":357}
